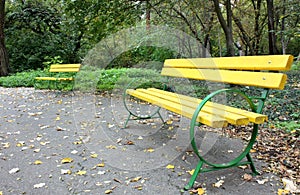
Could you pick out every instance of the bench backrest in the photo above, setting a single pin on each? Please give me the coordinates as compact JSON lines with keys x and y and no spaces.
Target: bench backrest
{"x":65,"y":68}
{"x":258,"y":71}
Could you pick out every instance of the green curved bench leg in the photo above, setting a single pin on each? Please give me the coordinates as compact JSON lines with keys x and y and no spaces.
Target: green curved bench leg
{"x":194,"y":176}
{"x":233,"y":163}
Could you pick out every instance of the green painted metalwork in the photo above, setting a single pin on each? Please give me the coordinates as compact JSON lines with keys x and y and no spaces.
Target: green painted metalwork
{"x":238,"y":160}
{"x":133,"y":116}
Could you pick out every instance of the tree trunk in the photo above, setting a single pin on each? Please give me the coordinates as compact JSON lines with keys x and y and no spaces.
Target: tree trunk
{"x":257,"y":28}
{"x":271,"y":27}
{"x":148,"y":15}
{"x":227,"y":27}
{"x":3,"y":53}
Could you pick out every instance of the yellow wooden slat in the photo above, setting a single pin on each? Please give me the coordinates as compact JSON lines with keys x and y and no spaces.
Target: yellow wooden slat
{"x":231,"y":118}
{"x":45,"y":78}
{"x":253,"y":117}
{"x":204,"y":118}
{"x":257,"y":79}
{"x":64,"y":70}
{"x":270,"y":62}
{"x":55,"y":66}
{"x":65,"y":79}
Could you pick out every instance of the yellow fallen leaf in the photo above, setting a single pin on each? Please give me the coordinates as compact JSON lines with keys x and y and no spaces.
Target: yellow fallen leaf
{"x":149,"y":150}
{"x":77,"y":143}
{"x":20,"y":144}
{"x":191,"y":172}
{"x":57,"y":118}
{"x":111,"y":147}
{"x":108,"y":191}
{"x":94,"y":155}
{"x":81,"y":173}
{"x":6,"y":145}
{"x":252,"y":150}
{"x":100,"y":165}
{"x":136,"y":179}
{"x":170,"y":128}
{"x":66,"y":160}
{"x":38,"y":162}
{"x":169,"y":122}
{"x":1,"y":193}
{"x":170,"y":166}
{"x":283,"y":192}
{"x":200,"y":191}
{"x":139,"y":187}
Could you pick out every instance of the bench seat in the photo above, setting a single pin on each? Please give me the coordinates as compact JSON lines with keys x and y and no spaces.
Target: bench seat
{"x":212,"y":114}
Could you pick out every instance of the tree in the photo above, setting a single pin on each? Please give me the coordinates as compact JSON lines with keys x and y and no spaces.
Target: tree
{"x":4,"y":63}
{"x":226,"y":26}
{"x":271,"y":28}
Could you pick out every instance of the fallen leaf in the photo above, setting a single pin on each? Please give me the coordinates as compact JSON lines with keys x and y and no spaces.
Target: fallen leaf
{"x":74,"y":152}
{"x":38,"y":162}
{"x":40,"y":185}
{"x":101,"y":172}
{"x":200,"y":191}
{"x":129,"y":143}
{"x":111,"y":125}
{"x":65,"y":171}
{"x":14,"y":170}
{"x":58,"y":128}
{"x":136,"y":179}
{"x":6,"y":145}
{"x":81,"y":173}
{"x":111,"y":147}
{"x":218,"y":184}
{"x":117,"y":180}
{"x":170,"y":166}
{"x":290,"y":186}
{"x":247,"y":177}
{"x":283,"y":192}
{"x":94,"y":155}
{"x":149,"y":150}
{"x":100,"y":165}
{"x":108,"y":191}
{"x":57,"y":118}
{"x":139,"y":187}
{"x":77,"y":142}
{"x":191,"y":172}
{"x":169,"y":122}
{"x":20,"y":144}
{"x":261,"y":182}
{"x":66,"y":160}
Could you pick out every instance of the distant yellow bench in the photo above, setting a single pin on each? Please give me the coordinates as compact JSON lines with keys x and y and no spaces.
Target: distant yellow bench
{"x":255,"y":71}
{"x":60,"y":73}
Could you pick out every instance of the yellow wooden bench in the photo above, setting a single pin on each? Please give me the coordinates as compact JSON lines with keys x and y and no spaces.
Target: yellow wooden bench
{"x":255,"y":71}
{"x":60,"y":73}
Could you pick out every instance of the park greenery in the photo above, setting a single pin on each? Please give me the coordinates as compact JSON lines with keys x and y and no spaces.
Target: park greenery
{"x":38,"y":33}
{"x":36,"y":30}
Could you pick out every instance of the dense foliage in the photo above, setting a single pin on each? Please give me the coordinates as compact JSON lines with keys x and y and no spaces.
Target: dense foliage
{"x":37,"y":29}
